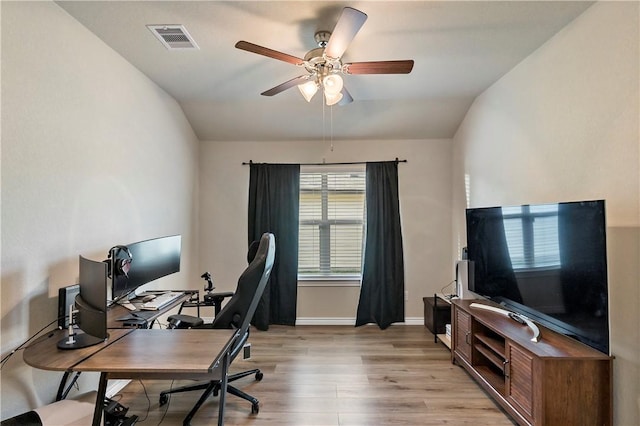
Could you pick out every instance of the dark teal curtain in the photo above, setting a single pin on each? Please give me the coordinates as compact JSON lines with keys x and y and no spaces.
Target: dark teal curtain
{"x":274,"y":192}
{"x":382,"y":292}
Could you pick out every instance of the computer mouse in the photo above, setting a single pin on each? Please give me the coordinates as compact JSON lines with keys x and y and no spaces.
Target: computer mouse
{"x":148,"y":298}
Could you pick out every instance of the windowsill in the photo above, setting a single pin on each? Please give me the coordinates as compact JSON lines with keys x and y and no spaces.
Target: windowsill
{"x":537,"y":270}
{"x":335,"y":281}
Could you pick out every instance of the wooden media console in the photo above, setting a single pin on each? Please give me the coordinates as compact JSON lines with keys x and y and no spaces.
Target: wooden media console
{"x":556,"y":381}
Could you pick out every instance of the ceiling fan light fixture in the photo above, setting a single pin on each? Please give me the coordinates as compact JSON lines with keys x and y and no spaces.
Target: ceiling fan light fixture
{"x":308,"y":89}
{"x":332,"y":84}
{"x":332,"y":99}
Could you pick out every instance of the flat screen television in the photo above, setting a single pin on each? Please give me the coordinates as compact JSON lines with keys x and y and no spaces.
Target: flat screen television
{"x":547,"y":262}
{"x":149,"y":260}
{"x":90,"y":306}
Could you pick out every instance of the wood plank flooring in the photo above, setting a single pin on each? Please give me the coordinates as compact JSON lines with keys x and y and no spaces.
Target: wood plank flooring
{"x":335,"y":375}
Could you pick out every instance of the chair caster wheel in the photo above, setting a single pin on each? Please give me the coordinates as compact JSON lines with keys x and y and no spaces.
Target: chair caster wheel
{"x":164,"y":398}
{"x":255,"y":408}
{"x":259,"y":375}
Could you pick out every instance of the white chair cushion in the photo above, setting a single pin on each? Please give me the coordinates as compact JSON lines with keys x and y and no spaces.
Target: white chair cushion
{"x":69,"y":412}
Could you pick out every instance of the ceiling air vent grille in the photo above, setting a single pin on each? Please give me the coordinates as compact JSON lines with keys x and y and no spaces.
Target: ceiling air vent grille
{"x":173,"y":36}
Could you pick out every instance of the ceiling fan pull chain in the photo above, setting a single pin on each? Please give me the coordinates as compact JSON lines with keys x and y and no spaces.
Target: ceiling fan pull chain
{"x":331,"y":120}
{"x":324,"y":126}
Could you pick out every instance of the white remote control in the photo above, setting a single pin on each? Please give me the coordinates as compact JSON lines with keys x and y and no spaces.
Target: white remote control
{"x":516,"y":317}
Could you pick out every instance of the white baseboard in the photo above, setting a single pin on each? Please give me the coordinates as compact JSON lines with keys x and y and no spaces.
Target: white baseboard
{"x":325,"y":321}
{"x":115,"y":386}
{"x":339,"y":321}
{"x":349,"y":321}
{"x":414,"y":321}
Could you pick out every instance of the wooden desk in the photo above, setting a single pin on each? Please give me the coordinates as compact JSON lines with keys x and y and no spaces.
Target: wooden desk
{"x":44,"y":354}
{"x":141,"y":354}
{"x":117,"y":311}
{"x":113,"y":314}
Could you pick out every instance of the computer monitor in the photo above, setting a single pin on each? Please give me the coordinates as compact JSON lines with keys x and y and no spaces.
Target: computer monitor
{"x":90,"y":306}
{"x":150,"y":260}
{"x":66,"y":296}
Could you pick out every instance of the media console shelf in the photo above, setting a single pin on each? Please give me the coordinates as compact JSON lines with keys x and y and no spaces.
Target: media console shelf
{"x":556,"y":381}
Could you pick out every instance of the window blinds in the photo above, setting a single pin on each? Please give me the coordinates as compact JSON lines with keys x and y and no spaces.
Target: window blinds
{"x":332,"y":218}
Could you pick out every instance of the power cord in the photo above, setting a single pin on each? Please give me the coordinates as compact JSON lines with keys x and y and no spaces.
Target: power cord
{"x":451,"y":295}
{"x":22,"y":346}
{"x":166,"y":410}
{"x":148,"y":402}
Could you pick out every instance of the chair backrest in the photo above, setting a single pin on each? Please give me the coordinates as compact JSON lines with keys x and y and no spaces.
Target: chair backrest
{"x":239,"y":310}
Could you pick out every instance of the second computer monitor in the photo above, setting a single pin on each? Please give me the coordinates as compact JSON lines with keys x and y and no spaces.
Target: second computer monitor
{"x":150,"y":260}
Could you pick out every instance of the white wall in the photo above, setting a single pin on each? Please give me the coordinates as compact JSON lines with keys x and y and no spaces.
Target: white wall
{"x":93,"y":154}
{"x":425,"y":194}
{"x":563,"y":125}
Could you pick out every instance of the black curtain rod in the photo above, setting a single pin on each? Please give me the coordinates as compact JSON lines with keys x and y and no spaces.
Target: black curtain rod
{"x":325,"y":164}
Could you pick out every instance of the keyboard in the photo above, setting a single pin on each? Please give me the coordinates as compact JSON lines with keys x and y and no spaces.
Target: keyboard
{"x":161,"y":301}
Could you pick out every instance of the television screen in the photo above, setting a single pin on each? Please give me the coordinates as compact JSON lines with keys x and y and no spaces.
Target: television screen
{"x":150,"y":260}
{"x":548,"y":262}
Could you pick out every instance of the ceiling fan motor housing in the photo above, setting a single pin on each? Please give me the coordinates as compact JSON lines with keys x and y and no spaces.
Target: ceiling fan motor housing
{"x":317,"y":64}
{"x":322,"y":38}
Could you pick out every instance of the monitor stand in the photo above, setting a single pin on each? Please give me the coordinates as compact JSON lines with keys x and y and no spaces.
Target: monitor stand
{"x":78,"y":341}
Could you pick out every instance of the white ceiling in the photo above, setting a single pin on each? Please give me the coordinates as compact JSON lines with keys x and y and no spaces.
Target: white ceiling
{"x":460,"y":48}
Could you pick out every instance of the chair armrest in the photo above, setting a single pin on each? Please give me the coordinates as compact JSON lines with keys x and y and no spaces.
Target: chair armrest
{"x":218,"y":296}
{"x":184,"y":321}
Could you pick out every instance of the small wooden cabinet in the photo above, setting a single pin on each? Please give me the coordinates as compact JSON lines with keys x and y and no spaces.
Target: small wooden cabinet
{"x":437,"y":314}
{"x":556,"y":381}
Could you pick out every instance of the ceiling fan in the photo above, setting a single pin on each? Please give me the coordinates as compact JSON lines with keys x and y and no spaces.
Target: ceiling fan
{"x":323,"y":64}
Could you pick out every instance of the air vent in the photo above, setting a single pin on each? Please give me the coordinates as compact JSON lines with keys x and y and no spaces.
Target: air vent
{"x":173,"y":36}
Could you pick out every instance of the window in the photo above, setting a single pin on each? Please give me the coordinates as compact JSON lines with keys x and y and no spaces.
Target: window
{"x":532,"y":236}
{"x":332,"y":219}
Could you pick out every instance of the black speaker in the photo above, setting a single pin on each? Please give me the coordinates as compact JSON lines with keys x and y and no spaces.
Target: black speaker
{"x":464,"y":279}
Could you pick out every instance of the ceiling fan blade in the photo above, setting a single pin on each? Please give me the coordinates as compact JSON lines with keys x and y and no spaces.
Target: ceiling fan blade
{"x":346,"y":97}
{"x":348,"y":25}
{"x":286,"y":85}
{"x":265,"y":51}
{"x":379,"y":67}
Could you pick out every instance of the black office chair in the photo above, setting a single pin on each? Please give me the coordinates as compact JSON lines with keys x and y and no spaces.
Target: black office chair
{"x":180,"y":320}
{"x":237,"y":314}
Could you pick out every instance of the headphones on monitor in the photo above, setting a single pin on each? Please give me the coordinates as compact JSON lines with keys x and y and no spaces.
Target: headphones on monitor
{"x":121,"y":263}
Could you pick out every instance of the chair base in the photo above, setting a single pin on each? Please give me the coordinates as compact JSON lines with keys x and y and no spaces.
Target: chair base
{"x":213,"y":388}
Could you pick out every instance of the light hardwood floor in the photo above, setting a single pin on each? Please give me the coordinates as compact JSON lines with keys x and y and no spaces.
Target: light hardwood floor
{"x":336,"y":375}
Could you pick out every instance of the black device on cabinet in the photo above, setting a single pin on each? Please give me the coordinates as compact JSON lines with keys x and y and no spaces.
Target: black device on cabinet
{"x":546,"y":261}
